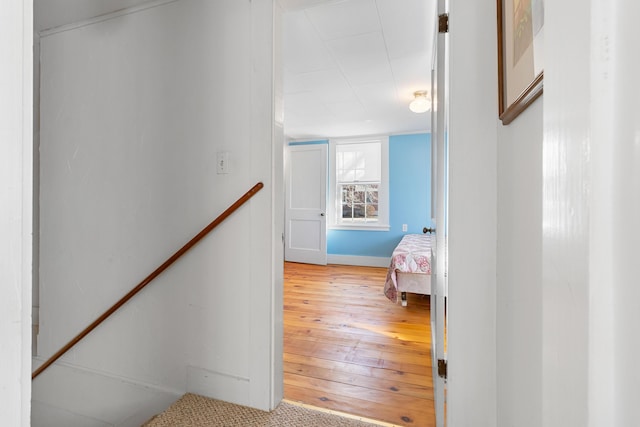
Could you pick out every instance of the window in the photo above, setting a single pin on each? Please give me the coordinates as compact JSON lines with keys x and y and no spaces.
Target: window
{"x":358,"y":184}
{"x":359,"y":202}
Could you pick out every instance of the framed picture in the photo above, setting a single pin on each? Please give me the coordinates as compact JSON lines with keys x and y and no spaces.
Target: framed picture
{"x":520,"y":55}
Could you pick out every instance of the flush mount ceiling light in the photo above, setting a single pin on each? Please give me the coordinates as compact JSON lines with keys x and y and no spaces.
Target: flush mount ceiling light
{"x":420,"y":103}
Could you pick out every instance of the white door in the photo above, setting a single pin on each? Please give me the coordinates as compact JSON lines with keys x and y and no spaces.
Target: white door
{"x":439,"y":120}
{"x":306,"y":200}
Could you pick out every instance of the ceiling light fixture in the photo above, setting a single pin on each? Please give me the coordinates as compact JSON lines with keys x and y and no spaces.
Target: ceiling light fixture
{"x":420,"y":103}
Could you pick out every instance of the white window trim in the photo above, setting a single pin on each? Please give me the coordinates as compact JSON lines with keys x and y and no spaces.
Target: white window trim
{"x":383,"y":191}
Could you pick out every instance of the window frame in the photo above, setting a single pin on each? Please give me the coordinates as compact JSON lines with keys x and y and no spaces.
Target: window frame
{"x":334,"y":201}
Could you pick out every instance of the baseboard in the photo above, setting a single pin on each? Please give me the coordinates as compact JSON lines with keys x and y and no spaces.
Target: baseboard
{"x":217,"y":385}
{"x":364,"y":261}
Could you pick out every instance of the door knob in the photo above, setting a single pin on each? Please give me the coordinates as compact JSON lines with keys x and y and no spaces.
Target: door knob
{"x":322,"y":214}
{"x":426,"y":230}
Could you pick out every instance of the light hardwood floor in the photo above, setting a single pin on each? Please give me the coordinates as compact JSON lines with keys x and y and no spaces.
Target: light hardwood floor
{"x":348,"y":348}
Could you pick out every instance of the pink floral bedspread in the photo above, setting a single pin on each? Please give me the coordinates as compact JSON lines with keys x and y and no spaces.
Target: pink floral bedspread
{"x":412,"y":255}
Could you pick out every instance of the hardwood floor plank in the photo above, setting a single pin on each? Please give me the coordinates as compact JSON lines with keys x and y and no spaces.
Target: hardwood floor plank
{"x":348,"y":348}
{"x":398,"y":386}
{"x":390,"y":334}
{"x":369,"y":342}
{"x":392,"y":412}
{"x":351,"y":368}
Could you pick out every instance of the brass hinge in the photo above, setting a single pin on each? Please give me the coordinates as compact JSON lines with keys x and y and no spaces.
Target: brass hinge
{"x":442,"y":368}
{"x":443,"y":23}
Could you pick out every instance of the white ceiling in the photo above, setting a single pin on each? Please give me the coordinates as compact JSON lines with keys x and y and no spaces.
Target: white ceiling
{"x":350,"y":66}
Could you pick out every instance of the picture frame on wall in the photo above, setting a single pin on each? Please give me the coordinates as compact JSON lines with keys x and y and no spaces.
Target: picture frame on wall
{"x":520,"y":55}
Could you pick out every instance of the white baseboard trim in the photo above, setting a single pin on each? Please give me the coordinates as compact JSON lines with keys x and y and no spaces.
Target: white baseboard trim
{"x":218,"y":385}
{"x":364,"y":261}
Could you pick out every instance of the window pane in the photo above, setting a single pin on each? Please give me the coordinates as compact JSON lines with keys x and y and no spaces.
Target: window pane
{"x":372,"y":193}
{"x":358,"y":196}
{"x":345,"y":195}
{"x":347,"y":212}
{"x":347,"y":201}
{"x":372,"y":197}
{"x":359,"y":202}
{"x":372,"y":211}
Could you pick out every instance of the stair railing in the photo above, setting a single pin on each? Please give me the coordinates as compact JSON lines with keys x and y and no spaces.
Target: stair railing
{"x":242,"y":200}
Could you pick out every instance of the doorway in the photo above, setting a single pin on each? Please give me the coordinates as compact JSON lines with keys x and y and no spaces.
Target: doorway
{"x":322,"y":102}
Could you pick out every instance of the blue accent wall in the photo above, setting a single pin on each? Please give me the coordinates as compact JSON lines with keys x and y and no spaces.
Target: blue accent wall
{"x":409,"y":197}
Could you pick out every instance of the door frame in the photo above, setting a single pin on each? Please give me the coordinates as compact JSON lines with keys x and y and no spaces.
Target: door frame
{"x":439,"y":206}
{"x":16,"y":152}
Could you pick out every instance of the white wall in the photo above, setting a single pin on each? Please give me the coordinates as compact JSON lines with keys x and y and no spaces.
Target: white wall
{"x":133,"y":112}
{"x":591,"y":209}
{"x":566,"y":214}
{"x":472,"y":216}
{"x":15,"y":215}
{"x":519,"y":289}
{"x":615,"y":216}
{"x":588,"y":231}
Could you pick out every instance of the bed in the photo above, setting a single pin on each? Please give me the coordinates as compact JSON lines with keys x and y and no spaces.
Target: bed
{"x":410,"y":268}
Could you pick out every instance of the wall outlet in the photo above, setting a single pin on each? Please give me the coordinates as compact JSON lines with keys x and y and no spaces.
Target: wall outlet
{"x":404,"y":227}
{"x":222,"y":162}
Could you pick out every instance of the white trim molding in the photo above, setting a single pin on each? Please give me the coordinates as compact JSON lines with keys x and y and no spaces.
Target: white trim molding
{"x":363,"y":261}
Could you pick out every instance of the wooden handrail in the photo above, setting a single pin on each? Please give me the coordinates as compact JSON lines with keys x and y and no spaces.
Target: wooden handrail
{"x":249,"y":194}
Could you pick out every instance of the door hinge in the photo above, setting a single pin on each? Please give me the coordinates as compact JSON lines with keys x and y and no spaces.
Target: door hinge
{"x":443,"y":23}
{"x":442,"y":368}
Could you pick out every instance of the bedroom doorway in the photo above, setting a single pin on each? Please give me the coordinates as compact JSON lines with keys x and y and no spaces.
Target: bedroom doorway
{"x":322,"y":100}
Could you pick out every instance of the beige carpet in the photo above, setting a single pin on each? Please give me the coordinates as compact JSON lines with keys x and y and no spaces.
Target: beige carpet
{"x":194,"y":410}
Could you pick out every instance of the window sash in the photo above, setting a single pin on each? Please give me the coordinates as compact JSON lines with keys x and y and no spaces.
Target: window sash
{"x":358,"y":203}
{"x":358,"y":162}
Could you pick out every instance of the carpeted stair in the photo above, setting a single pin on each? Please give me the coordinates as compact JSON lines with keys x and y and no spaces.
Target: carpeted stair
{"x":195,"y":410}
